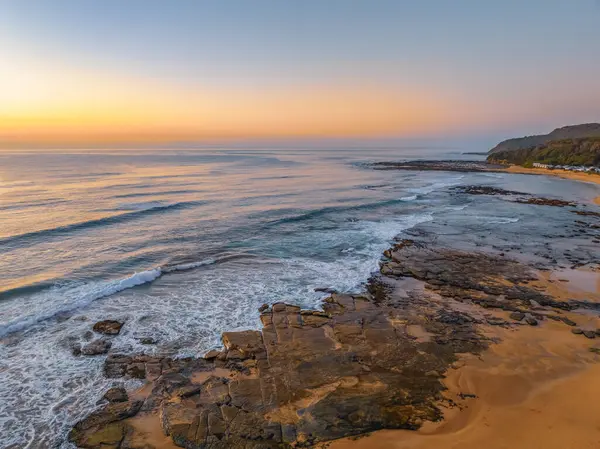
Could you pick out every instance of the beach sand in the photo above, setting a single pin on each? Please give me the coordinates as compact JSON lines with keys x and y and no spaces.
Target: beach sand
{"x":576,"y":176}
{"x":536,"y":389}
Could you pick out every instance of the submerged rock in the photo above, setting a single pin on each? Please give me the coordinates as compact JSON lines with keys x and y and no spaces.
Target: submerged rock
{"x":486,"y":190}
{"x":147,"y":340}
{"x":517,"y":316}
{"x":116,"y":394}
{"x":329,"y":290}
{"x":547,"y":202}
{"x":108,"y":327}
{"x":96,"y":347}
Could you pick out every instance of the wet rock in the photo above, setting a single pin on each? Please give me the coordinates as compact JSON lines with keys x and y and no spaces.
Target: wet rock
{"x":531,"y":321}
{"x":263,"y":308}
{"x":441,"y":165}
{"x":188,"y":390}
{"x":88,"y":335}
{"x":485,"y":190}
{"x":567,"y":321}
{"x":116,"y":394}
{"x":546,"y":202}
{"x":108,"y":327}
{"x":96,"y":347}
{"x":115,"y":365}
{"x":356,"y":373}
{"x":103,"y":428}
{"x":147,"y":340}
{"x":169,"y":382}
{"x":326,"y":290}
{"x":586,"y":213}
{"x":496,"y":322}
{"x":109,"y":436}
{"x":210,"y":355}
{"x":589,"y":334}
{"x":517,"y":316}
{"x":136,"y":370}
{"x":467,"y":396}
{"x":577,"y":331}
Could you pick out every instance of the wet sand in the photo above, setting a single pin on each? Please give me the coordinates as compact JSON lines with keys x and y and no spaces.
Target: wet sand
{"x":537,"y":388}
{"x":576,"y":176}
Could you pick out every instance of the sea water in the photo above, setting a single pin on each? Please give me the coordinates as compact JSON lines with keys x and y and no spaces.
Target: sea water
{"x":184,"y":244}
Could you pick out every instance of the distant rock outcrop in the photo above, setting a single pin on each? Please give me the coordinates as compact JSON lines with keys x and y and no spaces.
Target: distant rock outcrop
{"x":566,"y":132}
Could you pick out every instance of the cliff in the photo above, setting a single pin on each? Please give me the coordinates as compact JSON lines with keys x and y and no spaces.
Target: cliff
{"x":565,"y":133}
{"x":582,"y":151}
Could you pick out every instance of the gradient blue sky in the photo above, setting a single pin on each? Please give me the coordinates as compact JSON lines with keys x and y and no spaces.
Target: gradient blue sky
{"x":143,"y":69}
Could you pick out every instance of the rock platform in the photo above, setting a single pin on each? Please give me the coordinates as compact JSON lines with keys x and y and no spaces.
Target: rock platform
{"x":362,"y":363}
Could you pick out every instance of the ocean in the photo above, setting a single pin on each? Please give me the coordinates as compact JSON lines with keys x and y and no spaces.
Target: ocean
{"x":185,"y":244}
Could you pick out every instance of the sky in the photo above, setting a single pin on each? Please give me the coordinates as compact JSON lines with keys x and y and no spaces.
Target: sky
{"x":114,"y":72}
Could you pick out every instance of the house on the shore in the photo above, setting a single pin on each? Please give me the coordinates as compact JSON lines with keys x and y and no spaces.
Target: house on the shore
{"x":539,"y":165}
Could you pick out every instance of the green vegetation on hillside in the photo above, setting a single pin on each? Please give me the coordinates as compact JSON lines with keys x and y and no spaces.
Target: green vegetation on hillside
{"x":584,"y":151}
{"x":583,"y":131}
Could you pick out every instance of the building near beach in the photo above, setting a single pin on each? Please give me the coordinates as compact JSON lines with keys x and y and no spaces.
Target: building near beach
{"x":539,"y":165}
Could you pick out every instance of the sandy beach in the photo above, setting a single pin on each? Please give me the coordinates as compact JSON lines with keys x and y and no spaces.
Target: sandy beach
{"x":532,"y":390}
{"x":576,"y":176}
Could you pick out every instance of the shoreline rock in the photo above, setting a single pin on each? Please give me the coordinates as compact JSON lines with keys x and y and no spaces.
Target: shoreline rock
{"x":96,"y":347}
{"x":108,"y":327}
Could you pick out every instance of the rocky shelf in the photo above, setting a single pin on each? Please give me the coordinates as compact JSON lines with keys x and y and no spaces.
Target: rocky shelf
{"x":441,"y":165}
{"x":362,"y":363}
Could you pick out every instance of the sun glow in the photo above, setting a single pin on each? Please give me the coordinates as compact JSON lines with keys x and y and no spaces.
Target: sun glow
{"x":54,"y":104}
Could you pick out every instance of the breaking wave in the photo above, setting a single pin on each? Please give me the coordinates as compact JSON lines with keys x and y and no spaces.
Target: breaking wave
{"x":76,"y":296}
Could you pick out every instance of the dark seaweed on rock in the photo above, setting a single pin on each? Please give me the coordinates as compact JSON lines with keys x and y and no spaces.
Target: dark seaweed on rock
{"x":441,"y":165}
{"x":486,"y":190}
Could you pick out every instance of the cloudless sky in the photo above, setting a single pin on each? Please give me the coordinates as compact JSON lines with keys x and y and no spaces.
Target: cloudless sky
{"x":147,"y":70}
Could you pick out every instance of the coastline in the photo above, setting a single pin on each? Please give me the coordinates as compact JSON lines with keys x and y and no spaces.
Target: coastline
{"x":575,"y":176}
{"x":451,"y":345}
{"x":530,"y":390}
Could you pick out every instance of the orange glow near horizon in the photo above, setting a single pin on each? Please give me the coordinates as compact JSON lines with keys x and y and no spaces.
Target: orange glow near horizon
{"x":79,"y":74}
{"x":50,"y":104}
{"x":53,"y":104}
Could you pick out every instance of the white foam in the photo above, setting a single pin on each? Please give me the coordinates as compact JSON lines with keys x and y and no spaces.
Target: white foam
{"x":61,"y":299}
{"x":188,"y":266}
{"x":437,"y":185}
{"x":146,"y":205}
{"x":492,"y":175}
{"x":409,"y":198}
{"x":497,"y":220}
{"x":457,"y":208}
{"x":73,"y":296}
